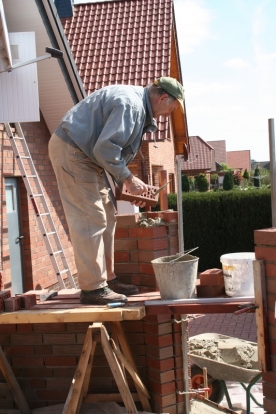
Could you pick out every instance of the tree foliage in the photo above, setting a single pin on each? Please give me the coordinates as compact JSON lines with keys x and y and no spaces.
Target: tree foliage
{"x":202,"y":183}
{"x":185,"y":183}
{"x":228,"y":181}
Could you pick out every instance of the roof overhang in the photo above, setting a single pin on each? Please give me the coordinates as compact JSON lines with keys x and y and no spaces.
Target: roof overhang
{"x":59,"y":83}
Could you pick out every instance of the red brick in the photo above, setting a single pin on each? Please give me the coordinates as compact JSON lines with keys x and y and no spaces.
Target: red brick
{"x":63,"y":338}
{"x":160,"y":365}
{"x":133,"y":232}
{"x":148,"y":256}
{"x":25,"y":339}
{"x":265,"y":253}
{"x":153,"y":244}
{"x":158,"y":319}
{"x":125,"y":244}
{"x":211,"y":277}
{"x":164,"y":389}
{"x":271,"y":285}
{"x":158,"y":329}
{"x":25,"y":327}
{"x":170,"y":216}
{"x":121,"y":233}
{"x":126,"y":268}
{"x":269,"y":405}
{"x":19,"y":350}
{"x":162,"y":377}
{"x":51,"y":361}
{"x":27,"y":361}
{"x":265,"y":236}
{"x":270,"y":270}
{"x":37,"y":383}
{"x":158,"y":340}
{"x":134,"y":255}
{"x":150,"y":232}
{"x":121,"y":257}
{"x":49,"y":327}
{"x":164,"y":400}
{"x":159,"y":353}
{"x":146,"y":268}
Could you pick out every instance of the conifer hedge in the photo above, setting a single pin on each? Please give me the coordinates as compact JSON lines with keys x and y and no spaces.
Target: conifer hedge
{"x":222,"y":222}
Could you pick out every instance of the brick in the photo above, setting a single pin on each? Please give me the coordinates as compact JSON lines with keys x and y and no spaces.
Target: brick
{"x":12,"y":304}
{"x":170,"y":216}
{"x":153,"y":244}
{"x":164,"y":389}
{"x":133,"y":232}
{"x":164,"y":400}
{"x":4,"y":294}
{"x":160,"y":365}
{"x":121,"y":268}
{"x":205,"y":291}
{"x":146,"y":268}
{"x":50,"y":327}
{"x":54,"y":361}
{"x":159,"y":353}
{"x":26,"y":339}
{"x":148,"y":256}
{"x":69,"y":349}
{"x":211,"y":277}
{"x":121,"y":233}
{"x":63,"y":338}
{"x":269,"y":405}
{"x":162,"y":377}
{"x":158,"y":340}
{"x":265,"y":236}
{"x":127,"y":220}
{"x":125,"y":244}
{"x":265,"y":253}
{"x":20,"y":361}
{"x":270,"y":270}
{"x":150,"y":232}
{"x":160,"y":329}
{"x":121,"y":257}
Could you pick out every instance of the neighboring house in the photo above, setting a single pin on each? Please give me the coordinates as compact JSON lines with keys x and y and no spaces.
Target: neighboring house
{"x":260,"y":164}
{"x":132,"y":42}
{"x":239,"y":160}
{"x":220,"y":150}
{"x":201,"y":159}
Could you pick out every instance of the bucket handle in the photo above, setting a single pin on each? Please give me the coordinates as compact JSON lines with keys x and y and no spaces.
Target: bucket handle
{"x":183,"y":254}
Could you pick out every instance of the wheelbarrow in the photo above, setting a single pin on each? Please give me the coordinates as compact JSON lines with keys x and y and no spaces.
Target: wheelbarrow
{"x":219,"y":372}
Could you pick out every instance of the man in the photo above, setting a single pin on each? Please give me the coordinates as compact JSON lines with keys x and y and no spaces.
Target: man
{"x":104,"y":132}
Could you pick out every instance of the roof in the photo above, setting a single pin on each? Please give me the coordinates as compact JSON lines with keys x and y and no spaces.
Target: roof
{"x":239,"y":159}
{"x":201,"y":156}
{"x":127,"y":42}
{"x":220,"y":150}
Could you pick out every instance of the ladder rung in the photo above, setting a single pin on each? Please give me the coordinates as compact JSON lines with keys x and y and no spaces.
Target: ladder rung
{"x":24,"y":156}
{"x":14,"y":137}
{"x":44,"y":214}
{"x":57,"y":252}
{"x":37,"y":195}
{"x":48,"y":234}
{"x":63,"y":271}
{"x":31,"y":176}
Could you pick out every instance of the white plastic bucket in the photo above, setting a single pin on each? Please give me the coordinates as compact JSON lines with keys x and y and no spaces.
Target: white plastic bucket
{"x":176,"y":280}
{"x":238,"y":273}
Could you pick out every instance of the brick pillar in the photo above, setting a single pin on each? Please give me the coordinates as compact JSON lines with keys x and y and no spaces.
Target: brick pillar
{"x":265,"y":249}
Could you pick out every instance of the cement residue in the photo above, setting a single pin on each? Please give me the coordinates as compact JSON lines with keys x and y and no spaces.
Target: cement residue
{"x":231,"y":351}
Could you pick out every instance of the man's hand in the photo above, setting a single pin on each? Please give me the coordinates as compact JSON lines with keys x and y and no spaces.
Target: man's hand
{"x":134,"y":185}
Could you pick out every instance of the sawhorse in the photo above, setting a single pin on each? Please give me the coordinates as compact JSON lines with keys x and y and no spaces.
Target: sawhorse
{"x":13,"y":386}
{"x":79,"y":387}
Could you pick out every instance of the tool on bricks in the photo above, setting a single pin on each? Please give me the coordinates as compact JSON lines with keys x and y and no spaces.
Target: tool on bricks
{"x":38,"y":200}
{"x":245,"y":308}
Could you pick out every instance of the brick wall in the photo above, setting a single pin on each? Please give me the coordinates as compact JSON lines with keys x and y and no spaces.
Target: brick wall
{"x":265,"y":249}
{"x":37,"y":268}
{"x":135,"y":247}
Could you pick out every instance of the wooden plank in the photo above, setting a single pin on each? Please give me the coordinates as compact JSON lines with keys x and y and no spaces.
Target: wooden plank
{"x":117,"y":373}
{"x":73,"y":401}
{"x":85,"y":314}
{"x":261,"y":315}
{"x":127,"y":354}
{"x":13,"y":384}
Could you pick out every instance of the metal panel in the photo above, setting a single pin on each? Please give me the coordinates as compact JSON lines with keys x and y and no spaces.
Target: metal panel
{"x":19,"y":88}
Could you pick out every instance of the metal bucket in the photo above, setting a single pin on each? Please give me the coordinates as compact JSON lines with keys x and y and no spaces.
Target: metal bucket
{"x":176,"y":279}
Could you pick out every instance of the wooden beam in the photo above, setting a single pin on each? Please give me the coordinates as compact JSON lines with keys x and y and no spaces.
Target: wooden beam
{"x":261,"y":315}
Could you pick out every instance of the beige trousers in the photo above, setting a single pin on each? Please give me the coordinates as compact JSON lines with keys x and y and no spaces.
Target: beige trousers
{"x":89,"y":213}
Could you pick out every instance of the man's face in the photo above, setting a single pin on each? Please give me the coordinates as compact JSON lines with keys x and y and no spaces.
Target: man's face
{"x":164,"y":106}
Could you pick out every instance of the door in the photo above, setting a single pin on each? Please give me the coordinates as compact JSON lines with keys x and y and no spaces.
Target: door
{"x":15,"y":238}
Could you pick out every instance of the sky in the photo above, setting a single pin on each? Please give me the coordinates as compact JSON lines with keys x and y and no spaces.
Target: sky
{"x":228,"y":62}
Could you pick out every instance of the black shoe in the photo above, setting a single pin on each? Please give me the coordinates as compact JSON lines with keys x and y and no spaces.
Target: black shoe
{"x":101,"y":296}
{"x":119,"y":287}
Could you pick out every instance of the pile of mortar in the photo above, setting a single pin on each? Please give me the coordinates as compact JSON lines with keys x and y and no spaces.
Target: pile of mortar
{"x":231,"y":351}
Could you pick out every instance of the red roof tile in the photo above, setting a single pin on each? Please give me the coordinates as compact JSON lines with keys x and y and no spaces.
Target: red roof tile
{"x":122,"y":42}
{"x":220,"y":150}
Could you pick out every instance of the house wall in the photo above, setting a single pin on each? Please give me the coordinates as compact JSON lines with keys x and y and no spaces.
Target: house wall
{"x":44,"y":357}
{"x":37,"y":267}
{"x":239,"y":159}
{"x":265,"y":249}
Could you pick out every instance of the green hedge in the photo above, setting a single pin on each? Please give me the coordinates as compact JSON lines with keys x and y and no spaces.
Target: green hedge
{"x":222,"y":222}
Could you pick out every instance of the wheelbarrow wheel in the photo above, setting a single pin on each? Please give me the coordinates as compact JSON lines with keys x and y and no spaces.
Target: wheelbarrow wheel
{"x":216,"y":392}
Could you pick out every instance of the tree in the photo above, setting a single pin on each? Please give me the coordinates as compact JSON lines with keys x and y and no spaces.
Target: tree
{"x":214,"y":178}
{"x":246,"y":174}
{"x":257,"y":180}
{"x":202,"y":183}
{"x":185,"y":183}
{"x":237,"y":178}
{"x":228,"y":181}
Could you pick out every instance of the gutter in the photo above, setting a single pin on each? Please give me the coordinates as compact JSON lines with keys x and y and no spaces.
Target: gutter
{"x":50,"y":18}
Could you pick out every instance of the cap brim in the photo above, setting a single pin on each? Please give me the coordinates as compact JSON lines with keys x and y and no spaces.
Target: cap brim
{"x":181,"y":105}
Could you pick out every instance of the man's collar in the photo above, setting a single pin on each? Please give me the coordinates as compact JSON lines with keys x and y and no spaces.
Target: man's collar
{"x":150,"y":123}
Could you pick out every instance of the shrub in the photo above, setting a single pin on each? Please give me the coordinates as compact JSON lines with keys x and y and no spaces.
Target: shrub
{"x":202,"y":183}
{"x":185,"y":183}
{"x":228,"y":181}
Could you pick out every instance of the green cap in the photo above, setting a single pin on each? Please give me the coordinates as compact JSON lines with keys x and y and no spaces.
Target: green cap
{"x":173,"y":87}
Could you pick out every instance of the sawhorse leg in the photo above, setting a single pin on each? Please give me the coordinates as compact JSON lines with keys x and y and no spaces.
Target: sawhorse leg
{"x":13,"y":384}
{"x":78,"y":390}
